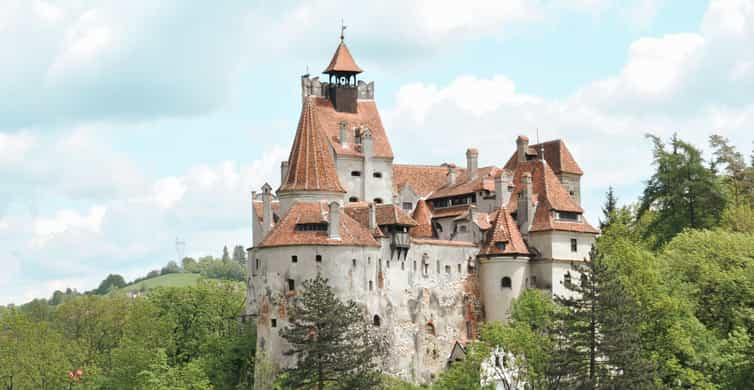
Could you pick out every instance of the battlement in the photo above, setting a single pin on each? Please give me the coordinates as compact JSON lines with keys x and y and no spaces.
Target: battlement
{"x":312,"y":86}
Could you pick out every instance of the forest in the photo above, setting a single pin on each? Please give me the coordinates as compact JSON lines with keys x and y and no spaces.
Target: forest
{"x":666,"y":301}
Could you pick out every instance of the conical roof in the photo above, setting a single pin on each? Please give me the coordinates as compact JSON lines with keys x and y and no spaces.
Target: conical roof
{"x":423,"y":218}
{"x":342,"y":61}
{"x":310,"y":164}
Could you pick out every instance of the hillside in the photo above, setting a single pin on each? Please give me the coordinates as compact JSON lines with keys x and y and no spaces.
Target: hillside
{"x":169,"y":280}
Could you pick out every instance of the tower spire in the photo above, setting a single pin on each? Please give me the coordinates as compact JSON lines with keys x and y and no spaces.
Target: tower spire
{"x":342,"y":29}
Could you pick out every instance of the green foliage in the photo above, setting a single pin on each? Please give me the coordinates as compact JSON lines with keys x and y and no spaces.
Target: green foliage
{"x":333,"y":342}
{"x":464,"y":375}
{"x":224,"y":269}
{"x":682,"y":191}
{"x":162,"y":376}
{"x":239,"y":255}
{"x":609,"y":208}
{"x":171,"y":268}
{"x":110,"y":283}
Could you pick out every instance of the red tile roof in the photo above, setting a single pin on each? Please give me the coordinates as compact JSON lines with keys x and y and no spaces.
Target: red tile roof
{"x":484,"y":180}
{"x":423,"y":218}
{"x":342,"y":61}
{"x":557,"y":156}
{"x":452,"y":211}
{"x":366,"y":115}
{"x":506,"y":231}
{"x":423,"y":179}
{"x":430,"y":241}
{"x":545,"y":221}
{"x":386,"y":214}
{"x":284,"y":233}
{"x":310,"y":164}
{"x":259,"y":211}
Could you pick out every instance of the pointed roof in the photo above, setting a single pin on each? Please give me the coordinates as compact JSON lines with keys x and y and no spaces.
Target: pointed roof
{"x":342,"y":61}
{"x":423,"y":218}
{"x":504,"y":231}
{"x":556,"y":154}
{"x":310,"y":164}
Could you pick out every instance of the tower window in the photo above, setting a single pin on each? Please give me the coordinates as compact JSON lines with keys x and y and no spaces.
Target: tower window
{"x":377,"y":175}
{"x":574,"y":245}
{"x":378,"y":200}
{"x":430,"y":328}
{"x":355,"y":173}
{"x":354,"y":263}
{"x":438,"y":266}
{"x":376,"y":320}
{"x":500,"y":245}
{"x":447,"y":269}
{"x":274,"y":323}
{"x":371,"y":285}
{"x":567,"y":279}
{"x":318,"y":258}
{"x":294,"y":259}
{"x":291,"y":285}
{"x":506,"y":282}
{"x":403,"y":265}
{"x":353,"y":199}
{"x":257,"y":263}
{"x":459,"y":268}
{"x":408,"y":206}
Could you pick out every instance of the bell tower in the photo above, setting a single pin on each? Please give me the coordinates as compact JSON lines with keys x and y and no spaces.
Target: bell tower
{"x":342,"y":88}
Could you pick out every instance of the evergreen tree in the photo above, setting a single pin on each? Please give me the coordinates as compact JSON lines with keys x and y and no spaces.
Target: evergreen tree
{"x":239,"y":255}
{"x":597,"y":334}
{"x":683,"y":193}
{"x":111,"y":281}
{"x":226,"y":255}
{"x":333,"y":343}
{"x":610,"y":207}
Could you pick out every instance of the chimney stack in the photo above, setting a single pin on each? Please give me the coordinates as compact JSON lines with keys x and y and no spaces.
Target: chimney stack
{"x":524,"y":215}
{"x":472,"y":161}
{"x":343,"y":134}
{"x":522,"y":145}
{"x":499,"y":188}
{"x":372,"y":217}
{"x":267,"y":220}
{"x":333,"y":221}
{"x":451,"y":174}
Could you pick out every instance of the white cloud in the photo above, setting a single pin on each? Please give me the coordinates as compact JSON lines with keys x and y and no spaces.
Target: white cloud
{"x":168,"y":191}
{"x":64,"y":220}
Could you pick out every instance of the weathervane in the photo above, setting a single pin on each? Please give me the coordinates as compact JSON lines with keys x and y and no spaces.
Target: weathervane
{"x":342,"y":28}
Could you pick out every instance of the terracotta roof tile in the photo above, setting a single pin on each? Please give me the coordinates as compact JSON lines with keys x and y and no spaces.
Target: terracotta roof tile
{"x":366,"y":115}
{"x":557,"y":156}
{"x":386,"y":214}
{"x":284,"y":233}
{"x":310,"y":164}
{"x":484,"y":180}
{"x":423,"y":218}
{"x":423,"y":179}
{"x":259,"y":212}
{"x":452,"y":211}
{"x":544,"y":221}
{"x":430,"y":241}
{"x":342,"y":61}
{"x":505,"y":231}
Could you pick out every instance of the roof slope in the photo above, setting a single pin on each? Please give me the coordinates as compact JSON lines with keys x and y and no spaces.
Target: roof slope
{"x":386,"y":214}
{"x":423,"y":179}
{"x":366,"y":115}
{"x":556,"y":154}
{"x":504,"y":230}
{"x":342,"y":61}
{"x":259,"y":208}
{"x":311,"y":166}
{"x":284,"y":233}
{"x":484,"y":180}
{"x":423,"y":218}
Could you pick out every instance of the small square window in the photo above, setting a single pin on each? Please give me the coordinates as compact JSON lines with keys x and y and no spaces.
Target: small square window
{"x":274,"y":323}
{"x":408,"y":206}
{"x":294,"y":259}
{"x":354,"y":262}
{"x":377,"y":175}
{"x":355,"y":173}
{"x":291,"y":285}
{"x":318,"y":258}
{"x":574,"y":245}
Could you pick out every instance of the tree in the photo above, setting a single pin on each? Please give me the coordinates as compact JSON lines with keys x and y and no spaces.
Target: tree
{"x":189,"y":265}
{"x":171,"y":268}
{"x":598,"y":333}
{"x":112,"y":281}
{"x":226,"y":256}
{"x":682,"y":192}
{"x":239,"y":255}
{"x":609,"y":209}
{"x":737,"y":174}
{"x":333,"y":342}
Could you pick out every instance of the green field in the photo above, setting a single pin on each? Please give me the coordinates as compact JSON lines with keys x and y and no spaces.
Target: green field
{"x":169,"y":280}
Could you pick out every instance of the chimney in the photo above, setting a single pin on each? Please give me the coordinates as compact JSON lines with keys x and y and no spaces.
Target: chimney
{"x":522,"y":145}
{"x":267,"y":220}
{"x":343,"y":134}
{"x":366,"y":142}
{"x":372,"y":217}
{"x":472,"y":161}
{"x":451,"y":174}
{"x":333,"y":221}
{"x":524,"y":214}
{"x":499,"y":188}
{"x":283,"y":171}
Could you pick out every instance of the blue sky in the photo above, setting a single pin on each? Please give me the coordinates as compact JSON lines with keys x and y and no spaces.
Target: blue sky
{"x":124,"y":125}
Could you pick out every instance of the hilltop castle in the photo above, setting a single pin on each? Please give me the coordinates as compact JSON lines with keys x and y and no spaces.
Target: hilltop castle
{"x":429,"y":251}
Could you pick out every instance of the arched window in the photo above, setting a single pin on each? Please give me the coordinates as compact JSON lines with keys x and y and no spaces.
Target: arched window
{"x":378,"y":200}
{"x":505,"y":282}
{"x":376,"y":320}
{"x":353,"y":199}
{"x":430,"y":328}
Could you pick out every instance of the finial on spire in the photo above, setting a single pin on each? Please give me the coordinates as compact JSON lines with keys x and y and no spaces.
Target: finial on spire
{"x":342,"y":29}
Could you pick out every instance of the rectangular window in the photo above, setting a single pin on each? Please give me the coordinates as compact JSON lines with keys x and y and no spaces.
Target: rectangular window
{"x":257,"y":263}
{"x":408,"y":206}
{"x":403,"y":265}
{"x":354,"y":263}
{"x":370,"y":285}
{"x":574,"y":245}
{"x":355,"y":173}
{"x":294,"y":259}
{"x":438,"y":266}
{"x":447,"y":269}
{"x":568,"y":216}
{"x":377,"y":175}
{"x":318,"y":258}
{"x":274,"y":322}
{"x":291,"y":285}
{"x":459,"y":268}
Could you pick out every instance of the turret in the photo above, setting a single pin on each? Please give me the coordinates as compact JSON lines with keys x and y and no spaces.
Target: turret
{"x":472,"y":162}
{"x":522,"y":145}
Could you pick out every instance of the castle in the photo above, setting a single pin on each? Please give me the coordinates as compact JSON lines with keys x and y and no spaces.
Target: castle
{"x":428,"y":251}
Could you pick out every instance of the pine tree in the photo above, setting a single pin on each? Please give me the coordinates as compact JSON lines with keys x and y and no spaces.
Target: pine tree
{"x":611,"y":205}
{"x":597,"y":333}
{"x":239,"y":255}
{"x":333,"y":343}
{"x":226,"y":255}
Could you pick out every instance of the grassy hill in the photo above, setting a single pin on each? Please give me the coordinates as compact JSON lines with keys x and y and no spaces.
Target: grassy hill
{"x":169,"y":280}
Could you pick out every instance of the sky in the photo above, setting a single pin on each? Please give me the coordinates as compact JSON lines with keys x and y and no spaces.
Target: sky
{"x":125,"y":126}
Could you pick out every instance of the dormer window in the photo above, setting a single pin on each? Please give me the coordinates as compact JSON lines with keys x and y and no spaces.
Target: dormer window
{"x":311,"y":227}
{"x":500,"y":245}
{"x":378,"y":200}
{"x":569,"y":216}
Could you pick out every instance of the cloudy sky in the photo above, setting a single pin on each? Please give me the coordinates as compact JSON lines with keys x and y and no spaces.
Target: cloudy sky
{"x":126,"y":125}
